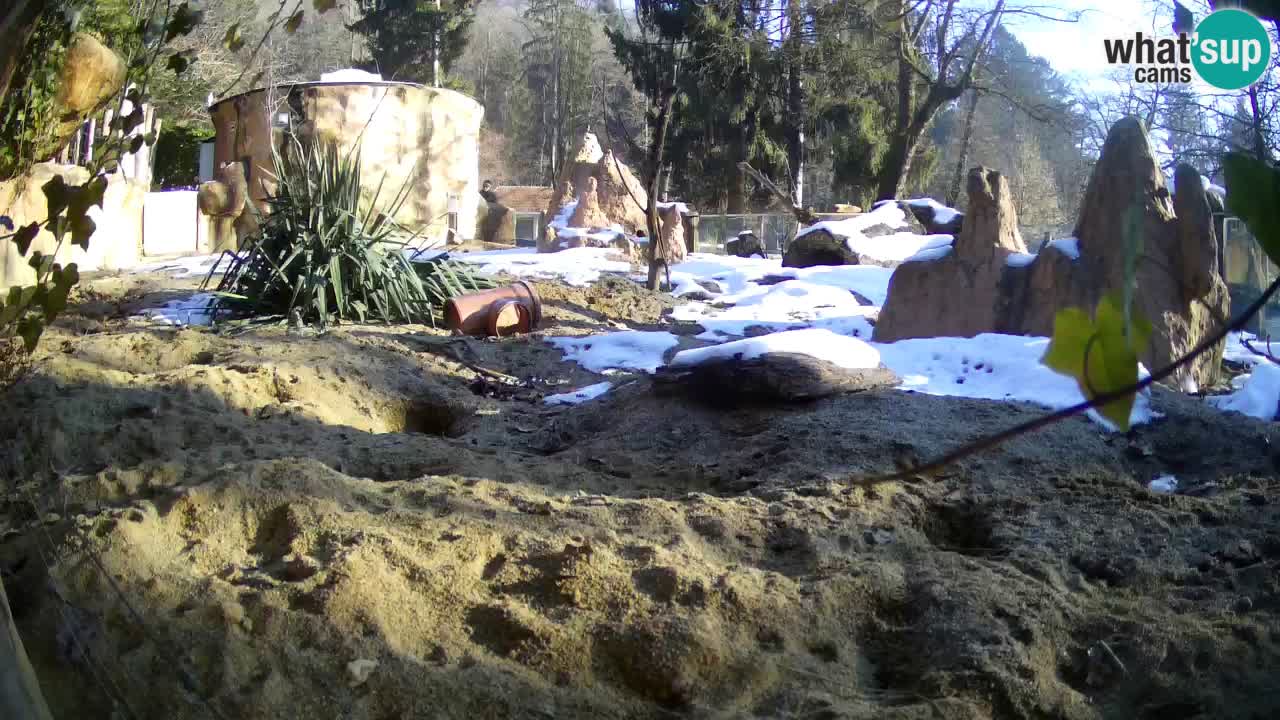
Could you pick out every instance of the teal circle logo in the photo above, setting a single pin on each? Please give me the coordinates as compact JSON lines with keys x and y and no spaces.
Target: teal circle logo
{"x":1232,"y":49}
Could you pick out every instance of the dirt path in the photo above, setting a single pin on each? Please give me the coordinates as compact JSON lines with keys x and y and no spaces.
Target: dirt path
{"x":275,"y":507}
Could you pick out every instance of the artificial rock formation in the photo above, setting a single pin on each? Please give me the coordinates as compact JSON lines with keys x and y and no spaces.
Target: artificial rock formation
{"x":225,"y":201}
{"x":588,"y":213}
{"x":671,"y":247}
{"x":927,"y":214}
{"x":620,"y":196}
{"x":91,"y":76}
{"x":744,"y":246}
{"x":955,"y":295}
{"x":818,"y":247}
{"x":1179,"y":289}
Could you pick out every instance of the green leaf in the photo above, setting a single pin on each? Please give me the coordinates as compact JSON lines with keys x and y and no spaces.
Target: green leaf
{"x":1253,"y":195}
{"x":1099,"y":353}
{"x":82,"y":227}
{"x":24,"y":236}
{"x":293,"y":23}
{"x":324,"y":6}
{"x":57,"y":195}
{"x":135,"y":143}
{"x":30,"y":328}
{"x":184,"y":20}
{"x":233,"y":40}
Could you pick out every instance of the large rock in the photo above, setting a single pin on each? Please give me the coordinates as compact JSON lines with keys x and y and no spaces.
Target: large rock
{"x":1178,"y":285}
{"x":744,"y":246}
{"x":622,"y":196}
{"x":671,"y":246}
{"x":574,"y":174}
{"x":956,"y":294}
{"x":91,"y":76}
{"x":818,"y":247}
{"x":588,"y":213}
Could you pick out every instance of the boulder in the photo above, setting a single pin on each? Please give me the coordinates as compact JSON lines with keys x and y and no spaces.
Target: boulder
{"x":622,"y":197}
{"x":671,"y":247}
{"x":772,"y":377}
{"x":745,"y":245}
{"x":574,"y":174}
{"x":909,"y":224}
{"x":818,"y":247}
{"x":588,"y":213}
{"x":956,"y":294}
{"x":91,"y":75}
{"x":225,"y":201}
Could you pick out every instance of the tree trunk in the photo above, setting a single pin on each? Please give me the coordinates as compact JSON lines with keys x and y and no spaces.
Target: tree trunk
{"x":796,"y":115}
{"x":20,"y":695}
{"x":897,"y":160}
{"x":1259,"y":140}
{"x":654,"y":169}
{"x":17,"y":23}
{"x":953,"y":193}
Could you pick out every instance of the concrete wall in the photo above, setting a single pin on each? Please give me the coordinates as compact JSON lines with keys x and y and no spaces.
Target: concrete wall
{"x":426,"y":137}
{"x":173,"y":225}
{"x":116,"y":244}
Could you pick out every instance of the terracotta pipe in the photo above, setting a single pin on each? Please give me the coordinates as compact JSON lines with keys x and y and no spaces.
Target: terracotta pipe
{"x":470,"y":314}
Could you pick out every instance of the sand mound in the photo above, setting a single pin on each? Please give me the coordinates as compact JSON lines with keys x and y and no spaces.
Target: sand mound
{"x":360,"y":525}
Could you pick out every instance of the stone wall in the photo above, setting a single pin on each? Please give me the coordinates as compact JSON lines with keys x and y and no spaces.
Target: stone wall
{"x":427,"y":137}
{"x":115,"y":245}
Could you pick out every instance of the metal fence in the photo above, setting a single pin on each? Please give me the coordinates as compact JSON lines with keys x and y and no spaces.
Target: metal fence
{"x":774,"y":230}
{"x":1248,"y":271}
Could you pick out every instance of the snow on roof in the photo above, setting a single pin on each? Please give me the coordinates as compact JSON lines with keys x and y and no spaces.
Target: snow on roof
{"x":840,"y":350}
{"x":941,"y":213}
{"x":629,"y":350}
{"x":349,"y":75}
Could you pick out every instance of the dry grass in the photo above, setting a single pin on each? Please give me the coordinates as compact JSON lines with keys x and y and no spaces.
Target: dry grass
{"x":15,"y":362}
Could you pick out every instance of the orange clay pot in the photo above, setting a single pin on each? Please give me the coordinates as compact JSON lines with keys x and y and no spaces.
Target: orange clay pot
{"x":472,"y":314}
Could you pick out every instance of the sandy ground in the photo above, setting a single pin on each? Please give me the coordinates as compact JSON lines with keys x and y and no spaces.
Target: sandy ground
{"x":362,"y":525}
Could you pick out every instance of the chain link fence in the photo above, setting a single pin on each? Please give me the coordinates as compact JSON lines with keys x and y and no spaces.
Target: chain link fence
{"x":774,"y":230}
{"x":1248,"y":271}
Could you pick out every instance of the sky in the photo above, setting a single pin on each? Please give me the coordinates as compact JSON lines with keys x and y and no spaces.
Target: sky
{"x":1076,"y":48}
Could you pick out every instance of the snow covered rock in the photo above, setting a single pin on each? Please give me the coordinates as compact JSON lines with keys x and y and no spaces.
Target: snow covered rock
{"x":819,"y":247}
{"x":937,"y":219}
{"x":745,"y":245}
{"x":955,"y":294}
{"x":885,"y":236}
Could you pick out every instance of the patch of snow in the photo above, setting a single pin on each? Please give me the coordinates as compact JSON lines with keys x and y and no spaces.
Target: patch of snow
{"x":576,"y":266}
{"x":898,"y":247}
{"x":930,"y":253}
{"x":1236,"y":351}
{"x":730,"y":272}
{"x":627,"y":350}
{"x":1164,"y":484}
{"x":1257,"y":394}
{"x":347,"y":75}
{"x":941,"y":213}
{"x":869,"y":281}
{"x":1068,"y":246}
{"x":194,"y":310}
{"x":818,"y":343}
{"x":788,"y":305}
{"x":185,"y":266}
{"x":1019,"y":259}
{"x":887,"y":213}
{"x":989,"y":366}
{"x":1209,"y":187}
{"x":886,"y":248}
{"x":560,"y":223}
{"x":579,"y":396}
{"x":681,"y":207}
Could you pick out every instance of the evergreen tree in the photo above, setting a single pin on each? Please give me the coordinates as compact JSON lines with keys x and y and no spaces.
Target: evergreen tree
{"x":415,"y":40}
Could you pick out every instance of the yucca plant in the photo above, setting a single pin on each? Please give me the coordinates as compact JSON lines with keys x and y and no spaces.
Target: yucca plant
{"x":324,"y":254}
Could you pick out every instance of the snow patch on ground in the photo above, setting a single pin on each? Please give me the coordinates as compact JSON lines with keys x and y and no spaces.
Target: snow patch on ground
{"x":788,"y":305}
{"x":576,"y":266}
{"x":1019,"y":259}
{"x":1068,"y":246}
{"x":1257,"y":394}
{"x":628,"y":350}
{"x":1164,"y":484}
{"x":198,"y":265}
{"x":560,"y":223}
{"x":839,"y":350}
{"x":941,"y":213}
{"x":579,"y":396}
{"x":194,"y":310}
{"x":991,"y":367}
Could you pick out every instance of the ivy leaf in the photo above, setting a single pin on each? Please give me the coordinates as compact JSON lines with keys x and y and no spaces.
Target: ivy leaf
{"x":69,"y":277}
{"x":30,"y":328}
{"x":1253,"y":195}
{"x":57,"y":195}
{"x":24,"y":236}
{"x":324,"y":6}
{"x":233,"y":40}
{"x":293,"y":23}
{"x":55,"y":302}
{"x":1099,"y":354}
{"x":82,"y":227}
{"x":184,"y":20}
{"x":40,"y":262}
{"x":135,"y":143}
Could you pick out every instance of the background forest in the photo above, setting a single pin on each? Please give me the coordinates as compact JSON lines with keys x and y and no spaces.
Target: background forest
{"x":841,"y":101}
